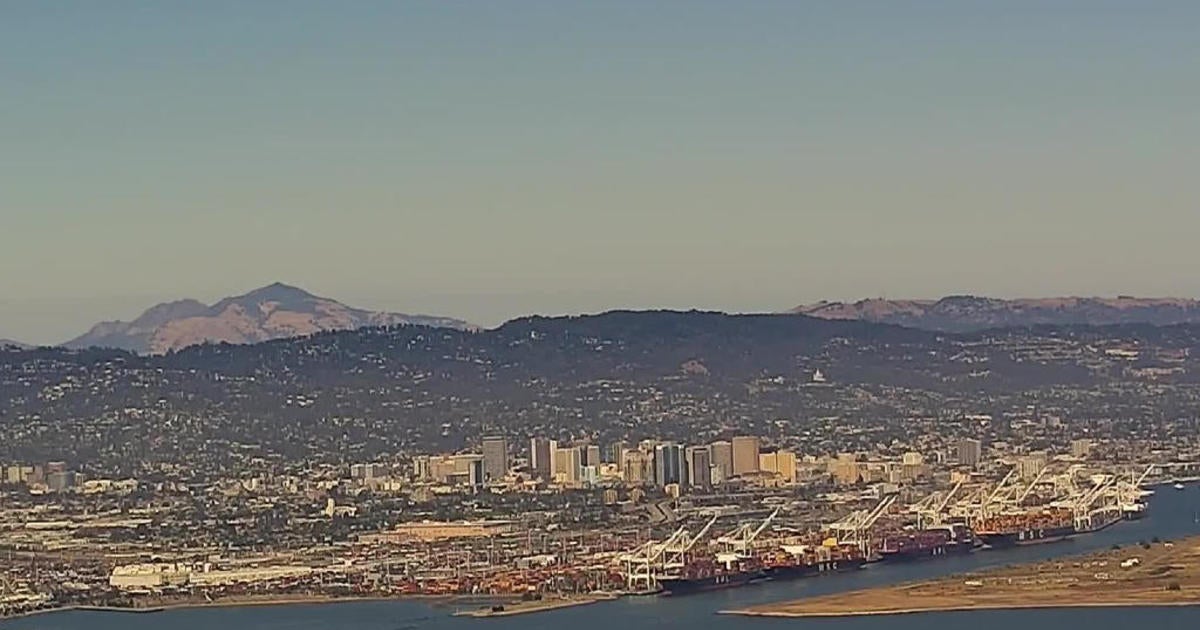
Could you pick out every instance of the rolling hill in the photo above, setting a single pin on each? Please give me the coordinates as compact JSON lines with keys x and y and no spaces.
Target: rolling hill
{"x":275,"y":311}
{"x":965,"y":313}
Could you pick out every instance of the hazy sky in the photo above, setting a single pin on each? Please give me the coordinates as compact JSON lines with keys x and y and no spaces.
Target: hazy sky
{"x":491,"y":159}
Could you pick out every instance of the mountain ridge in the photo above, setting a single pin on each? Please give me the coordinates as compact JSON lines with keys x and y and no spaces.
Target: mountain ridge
{"x":966,"y":313}
{"x":274,"y":311}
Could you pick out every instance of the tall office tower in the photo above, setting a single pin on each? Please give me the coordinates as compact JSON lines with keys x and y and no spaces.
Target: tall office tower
{"x":970,"y":451}
{"x":845,"y":469}
{"x":591,"y":455}
{"x":699,"y":467}
{"x":568,"y":463}
{"x":540,"y":457}
{"x":721,"y":455}
{"x":616,"y":454}
{"x":745,"y":455}
{"x":495,"y":457}
{"x":767,"y":463}
{"x":476,"y":475}
{"x":668,"y":465}
{"x":785,"y":465}
{"x":60,"y":480}
{"x":635,"y":465}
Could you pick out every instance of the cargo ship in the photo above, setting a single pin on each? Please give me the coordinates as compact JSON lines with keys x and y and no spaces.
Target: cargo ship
{"x":707,"y":575}
{"x":933,"y":542}
{"x":1100,"y":521}
{"x":785,"y":563}
{"x":1026,"y":528}
{"x":792,"y":562}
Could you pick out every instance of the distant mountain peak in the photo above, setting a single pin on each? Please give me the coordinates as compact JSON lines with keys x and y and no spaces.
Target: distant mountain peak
{"x":280,"y":292}
{"x":277,"y":295}
{"x":274,"y":311}
{"x":961,"y":313}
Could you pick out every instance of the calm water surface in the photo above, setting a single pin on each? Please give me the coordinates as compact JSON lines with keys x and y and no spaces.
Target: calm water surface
{"x":1173,"y":514}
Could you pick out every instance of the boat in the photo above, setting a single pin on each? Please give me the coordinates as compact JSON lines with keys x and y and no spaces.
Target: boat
{"x":1101,"y":521}
{"x":1026,"y":528}
{"x":1179,"y":486}
{"x":800,"y":561}
{"x":781,"y":573}
{"x":1026,"y":536}
{"x":787,"y":562}
{"x":699,"y":576}
{"x":927,"y":543}
{"x":689,"y":585}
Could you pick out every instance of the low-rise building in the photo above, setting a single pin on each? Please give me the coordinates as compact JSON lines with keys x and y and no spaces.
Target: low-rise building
{"x":151,"y":576}
{"x":440,"y":530}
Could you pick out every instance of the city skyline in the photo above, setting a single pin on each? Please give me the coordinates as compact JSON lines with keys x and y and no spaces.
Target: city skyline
{"x":560,"y":158}
{"x":601,"y":314}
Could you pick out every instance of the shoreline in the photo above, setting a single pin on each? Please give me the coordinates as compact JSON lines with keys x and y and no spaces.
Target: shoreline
{"x":535,"y":606}
{"x":951,"y":608}
{"x":266,"y":600}
{"x":1149,"y":575}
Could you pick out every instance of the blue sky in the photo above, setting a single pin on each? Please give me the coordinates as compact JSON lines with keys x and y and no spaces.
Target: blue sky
{"x":487,"y":160}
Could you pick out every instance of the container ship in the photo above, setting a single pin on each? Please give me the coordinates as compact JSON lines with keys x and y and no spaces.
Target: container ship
{"x":1100,"y":522}
{"x":792,"y":562}
{"x":788,"y":562}
{"x":1026,"y":528}
{"x":933,"y":542}
{"x":699,"y":576}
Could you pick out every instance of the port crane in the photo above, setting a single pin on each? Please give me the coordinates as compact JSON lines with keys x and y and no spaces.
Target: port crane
{"x":924,"y":509}
{"x":1033,"y":484}
{"x":741,"y":539}
{"x":7,"y":585}
{"x":970,"y":504}
{"x":653,"y":560}
{"x":856,"y":526}
{"x":1006,"y":494}
{"x":995,"y":500}
{"x":931,"y":510}
{"x":1065,"y":485}
{"x":1107,"y":498}
{"x":1145,"y":473}
{"x":1083,"y":505}
{"x":1126,"y":496}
